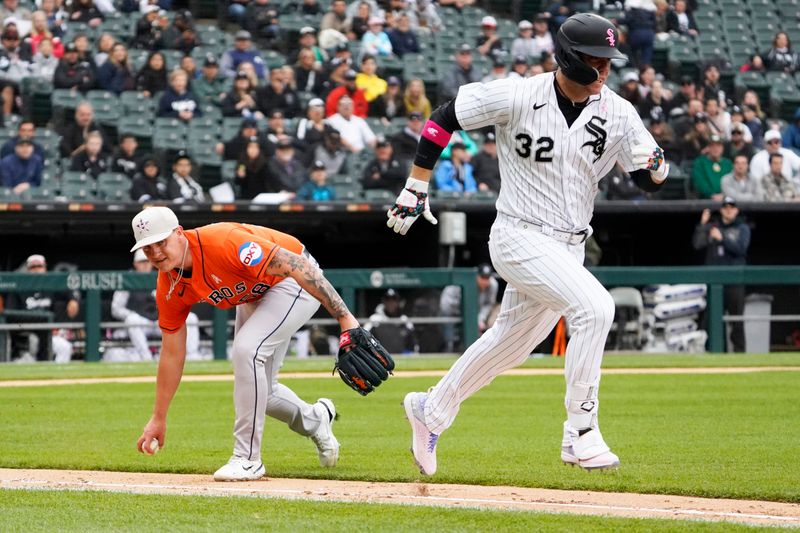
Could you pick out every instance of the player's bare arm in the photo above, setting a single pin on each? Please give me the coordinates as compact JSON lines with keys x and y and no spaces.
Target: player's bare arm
{"x":310,"y":278}
{"x":170,"y":371}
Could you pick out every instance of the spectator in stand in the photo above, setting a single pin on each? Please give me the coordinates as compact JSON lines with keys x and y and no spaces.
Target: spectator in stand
{"x":90,"y":160}
{"x":26,"y":130}
{"x":147,"y":185}
{"x":461,"y":137}
{"x":489,"y":43}
{"x":647,"y":76}
{"x":375,"y":42}
{"x":404,"y":142}
{"x":182,"y":187}
{"x":389,"y":105}
{"x":664,"y":135}
{"x":331,"y":153}
{"x":353,"y":93}
{"x":754,"y":64}
{"x":308,"y":39}
{"x":286,"y":172}
{"x":84,"y":48}
{"x":148,"y":33}
{"x":711,"y":85}
{"x":85,"y":11}
{"x":261,"y":20}
{"x":65,"y":308}
{"x":305,"y":7}
{"x":335,"y":70}
{"x":725,"y":241}
{"x":403,"y":39}
{"x":450,"y":305}
{"x":415,"y":99}
{"x":542,"y":36}
{"x":240,"y":101}
{"x":640,"y":18}
{"x":181,"y":35}
{"x":209,"y":88}
{"x":188,"y":65}
{"x":498,"y":70}
{"x":10,"y":11}
{"x":178,"y":101}
{"x":40,"y":31}
{"x":760,"y":165}
{"x":386,"y":171}
{"x":139,"y":312}
{"x":738,"y":144}
{"x":791,"y":135}
{"x":152,"y":77}
{"x":22,"y":169}
{"x":656,"y":99}
{"x":335,"y":18}
{"x":277,"y":131}
{"x":777,"y":186}
{"x":311,"y":129}
{"x":14,"y":67}
{"x":235,"y":147}
{"x":455,"y":175}
{"x":780,"y":57}
{"x":56,"y":16}
{"x":252,"y":170}
{"x":359,"y":23}
{"x":72,"y":73}
{"x":525,"y":44}
{"x":316,"y":188}
{"x":630,"y":89}
{"x":356,"y":133}
{"x":368,"y":80}
{"x":696,"y":140}
{"x":278,"y":95}
{"x":754,"y":124}
{"x":104,"y":45}
{"x":124,"y":159}
{"x":719,"y":120}
{"x":308,"y":73}
{"x":739,"y":185}
{"x":397,"y":338}
{"x":485,"y":165}
{"x":74,"y":135}
{"x":688,"y":91}
{"x":44,"y":63}
{"x":681,"y":21}
{"x":462,"y":73}
{"x":519,"y":68}
{"x":242,"y":51}
{"x":708,"y":169}
{"x":115,"y":75}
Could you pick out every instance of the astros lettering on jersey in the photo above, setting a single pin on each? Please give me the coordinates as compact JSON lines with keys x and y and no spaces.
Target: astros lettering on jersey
{"x":229,"y":268}
{"x":549,"y":171}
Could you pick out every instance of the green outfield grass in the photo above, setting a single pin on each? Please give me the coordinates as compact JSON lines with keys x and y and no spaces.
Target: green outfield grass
{"x":706,"y":435}
{"x":33,"y":511}
{"x":82,"y":370}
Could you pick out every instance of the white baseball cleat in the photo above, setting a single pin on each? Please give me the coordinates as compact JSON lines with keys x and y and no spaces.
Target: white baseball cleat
{"x":589,"y":451}
{"x":327,"y":445}
{"x":423,"y":442}
{"x":240,"y":469}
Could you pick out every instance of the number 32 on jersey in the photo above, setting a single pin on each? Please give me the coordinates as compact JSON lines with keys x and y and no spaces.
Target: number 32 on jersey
{"x":544,"y":147}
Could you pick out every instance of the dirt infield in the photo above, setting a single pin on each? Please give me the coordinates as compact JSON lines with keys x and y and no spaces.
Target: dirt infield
{"x":404,"y":374}
{"x":515,"y":498}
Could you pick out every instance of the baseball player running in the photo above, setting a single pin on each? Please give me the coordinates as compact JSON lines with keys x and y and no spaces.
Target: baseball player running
{"x":557,"y":135}
{"x":276,"y":287}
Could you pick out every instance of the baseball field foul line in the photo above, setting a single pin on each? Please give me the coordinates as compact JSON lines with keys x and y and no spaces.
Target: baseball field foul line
{"x":404,"y":374}
{"x":513,"y":498}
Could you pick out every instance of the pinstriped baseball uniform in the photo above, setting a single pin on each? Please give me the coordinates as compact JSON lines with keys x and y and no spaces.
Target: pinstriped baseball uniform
{"x":549,"y":178}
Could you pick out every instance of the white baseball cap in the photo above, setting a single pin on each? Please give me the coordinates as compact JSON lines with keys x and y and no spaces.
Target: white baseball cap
{"x":489,"y":21}
{"x":772,"y":135}
{"x":152,"y":225}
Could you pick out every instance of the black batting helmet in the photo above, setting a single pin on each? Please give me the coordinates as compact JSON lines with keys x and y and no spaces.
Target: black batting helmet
{"x":589,"y":34}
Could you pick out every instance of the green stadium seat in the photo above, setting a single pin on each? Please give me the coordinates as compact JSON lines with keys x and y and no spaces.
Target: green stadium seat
{"x":136,"y":103}
{"x":114,"y":192}
{"x":346,"y":192}
{"x":228,"y":170}
{"x":75,"y":177}
{"x":65,"y":99}
{"x":46,"y":191}
{"x":78,"y":191}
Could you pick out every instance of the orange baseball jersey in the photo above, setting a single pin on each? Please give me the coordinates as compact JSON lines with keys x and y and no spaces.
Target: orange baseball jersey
{"x":229,"y":267}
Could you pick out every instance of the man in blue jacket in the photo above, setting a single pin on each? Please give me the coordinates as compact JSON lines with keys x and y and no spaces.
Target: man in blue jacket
{"x":240,"y":53}
{"x":23,"y":169}
{"x":456,"y":175}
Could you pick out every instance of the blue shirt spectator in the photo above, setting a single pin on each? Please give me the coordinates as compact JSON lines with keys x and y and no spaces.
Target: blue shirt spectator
{"x":26,"y":130}
{"x":23,"y":169}
{"x":791,"y":136}
{"x":178,"y":101}
{"x":316,"y":188}
{"x":240,"y":53}
{"x":456,"y":175}
{"x":375,"y":42}
{"x":403,"y":39}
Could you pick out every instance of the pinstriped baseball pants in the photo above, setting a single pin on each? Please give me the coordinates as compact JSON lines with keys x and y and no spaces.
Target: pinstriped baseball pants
{"x":546,"y":280}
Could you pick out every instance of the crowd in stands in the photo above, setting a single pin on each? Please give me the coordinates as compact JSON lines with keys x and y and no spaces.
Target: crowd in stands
{"x":333,"y":108}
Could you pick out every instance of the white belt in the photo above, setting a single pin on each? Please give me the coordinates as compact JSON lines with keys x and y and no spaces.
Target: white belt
{"x":567,"y":237}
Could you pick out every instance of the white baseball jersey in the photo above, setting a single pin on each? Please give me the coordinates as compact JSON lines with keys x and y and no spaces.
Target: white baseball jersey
{"x":550,"y":171}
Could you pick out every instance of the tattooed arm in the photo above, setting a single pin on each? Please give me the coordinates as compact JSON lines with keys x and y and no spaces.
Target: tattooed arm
{"x":309,"y":277}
